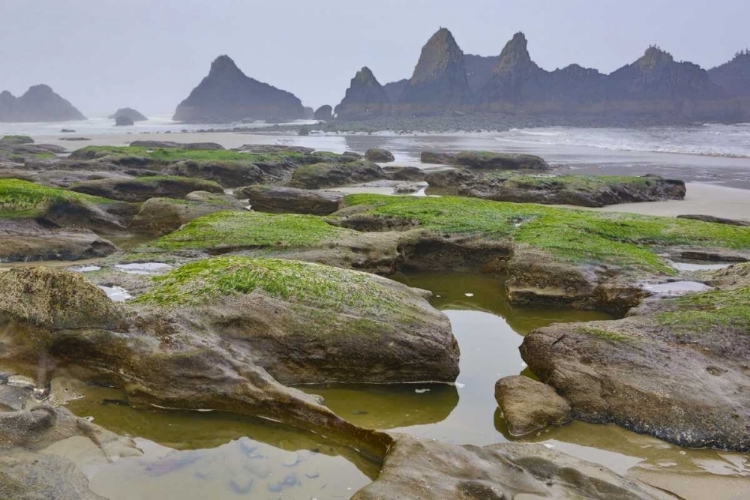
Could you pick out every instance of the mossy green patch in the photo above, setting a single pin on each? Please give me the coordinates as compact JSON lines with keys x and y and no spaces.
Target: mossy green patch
{"x":586,"y":183}
{"x":16,"y":139}
{"x":25,"y":199}
{"x":322,"y":287}
{"x":171,"y":155}
{"x":580,"y":236}
{"x":251,"y":230}
{"x":604,"y":334}
{"x":709,"y":310}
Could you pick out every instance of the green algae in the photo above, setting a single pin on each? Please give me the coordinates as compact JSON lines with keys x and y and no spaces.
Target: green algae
{"x":604,"y":334}
{"x":25,"y":199}
{"x":171,"y":155}
{"x":718,"y":309}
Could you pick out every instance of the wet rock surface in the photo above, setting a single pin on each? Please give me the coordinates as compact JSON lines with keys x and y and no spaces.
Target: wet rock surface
{"x":379,"y":155}
{"x":279,"y":199}
{"x":325,"y":175}
{"x":142,"y":188}
{"x":485,"y":160}
{"x":529,"y":406}
{"x":417,"y":468}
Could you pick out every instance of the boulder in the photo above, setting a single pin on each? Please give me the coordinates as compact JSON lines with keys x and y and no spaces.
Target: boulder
{"x":324,"y":175}
{"x":124,"y":121}
{"x":420,"y":468}
{"x":529,"y":406}
{"x":278,"y":199}
{"x":450,"y":178}
{"x":229,"y":174}
{"x":413,"y":174}
{"x":142,"y":188}
{"x":379,"y":155}
{"x":674,"y":368}
{"x":159,"y":216}
{"x":15,"y":140}
{"x":486,"y":160}
{"x":130,"y":113}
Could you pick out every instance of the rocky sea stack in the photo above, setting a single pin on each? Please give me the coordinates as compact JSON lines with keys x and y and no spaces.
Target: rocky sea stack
{"x":439,"y":80}
{"x":39,"y":104}
{"x":227,"y":95}
{"x":364,"y":99}
{"x":129,"y":113}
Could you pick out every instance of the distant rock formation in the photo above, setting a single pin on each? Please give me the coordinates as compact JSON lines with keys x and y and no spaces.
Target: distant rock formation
{"x":365,"y":98}
{"x":439,"y":80}
{"x":38,"y":104}
{"x":124,"y":121}
{"x":309,"y":113}
{"x":395,"y":89}
{"x":324,"y":113}
{"x":734,"y":76}
{"x":479,"y":70}
{"x":226,"y":95}
{"x":130,"y":113}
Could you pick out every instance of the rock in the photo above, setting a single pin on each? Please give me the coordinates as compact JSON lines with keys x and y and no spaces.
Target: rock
{"x":229,"y":174}
{"x":188,"y":146}
{"x":675,"y":368}
{"x":324,"y":175}
{"x":134,"y":115}
{"x":413,"y":174}
{"x":407,"y":188}
{"x":529,"y":406}
{"x":124,"y":121}
{"x":38,"y":104}
{"x":439,"y":81}
{"x":365,"y":98}
{"x":585,"y":191}
{"x":277,"y":199}
{"x":395,"y":89}
{"x":450,"y":178}
{"x":142,"y":188}
{"x":226,"y":95}
{"x":15,"y":140}
{"x":32,"y":476}
{"x":486,"y":160}
{"x":303,"y":131}
{"x":733,"y":76}
{"x":159,"y":216}
{"x":29,"y":241}
{"x":273,"y":148}
{"x":351,"y":155}
{"x":420,"y":468}
{"x":67,"y":131}
{"x":324,"y":113}
{"x":379,"y":155}
{"x":717,"y":220}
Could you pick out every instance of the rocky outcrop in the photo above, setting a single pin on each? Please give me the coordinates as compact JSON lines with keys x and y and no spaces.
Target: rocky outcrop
{"x":278,"y":199}
{"x":188,"y":146}
{"x":734,"y":76}
{"x":419,"y":468}
{"x":324,"y":113}
{"x":39,"y":104}
{"x":142,"y":188}
{"x":325,"y":175}
{"x":159,"y":216}
{"x":226,"y":95}
{"x":479,"y":70}
{"x":395,"y":89}
{"x":230,"y":174}
{"x":439,"y":80}
{"x":487,"y":160}
{"x":379,"y":155}
{"x":716,"y":220}
{"x":134,"y":115}
{"x":529,"y":406}
{"x":365,"y":98}
{"x":585,"y":191}
{"x":26,"y":240}
{"x":675,"y":368}
{"x":124,"y":121}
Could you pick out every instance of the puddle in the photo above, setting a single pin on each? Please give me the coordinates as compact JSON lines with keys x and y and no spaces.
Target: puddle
{"x":116,"y":293}
{"x":676,"y":288}
{"x":85,"y":269}
{"x":145,"y":268}
{"x":694,"y":266}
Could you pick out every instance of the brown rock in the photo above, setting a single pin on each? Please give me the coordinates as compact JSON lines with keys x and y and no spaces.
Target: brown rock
{"x":529,"y":405}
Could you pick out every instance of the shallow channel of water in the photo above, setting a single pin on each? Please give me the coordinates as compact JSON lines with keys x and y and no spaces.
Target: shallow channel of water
{"x":200,"y":455}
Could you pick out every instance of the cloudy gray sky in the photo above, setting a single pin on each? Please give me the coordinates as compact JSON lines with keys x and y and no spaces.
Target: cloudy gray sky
{"x":149,"y":54}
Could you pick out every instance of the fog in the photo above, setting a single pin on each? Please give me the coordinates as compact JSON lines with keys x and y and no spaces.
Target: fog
{"x":106,"y":54}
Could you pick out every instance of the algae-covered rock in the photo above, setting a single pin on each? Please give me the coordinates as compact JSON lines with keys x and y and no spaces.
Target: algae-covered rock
{"x":323,"y":175}
{"x":529,"y":405}
{"x":279,"y":199}
{"x":142,"y":188}
{"x":419,"y":468}
{"x":379,"y":155}
{"x":50,"y":299}
{"x":580,"y":190}
{"x":15,"y":140}
{"x":487,"y":160}
{"x":310,"y":323}
{"x":163,"y":215}
{"x":229,"y":174}
{"x":675,"y":368}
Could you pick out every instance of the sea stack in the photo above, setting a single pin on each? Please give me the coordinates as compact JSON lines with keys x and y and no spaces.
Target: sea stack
{"x":365,"y":98}
{"x":227,"y":95}
{"x":39,"y":104}
{"x":130,"y":113}
{"x":439,"y":81}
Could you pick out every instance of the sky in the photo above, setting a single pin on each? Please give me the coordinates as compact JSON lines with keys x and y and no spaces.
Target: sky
{"x":149,"y":54}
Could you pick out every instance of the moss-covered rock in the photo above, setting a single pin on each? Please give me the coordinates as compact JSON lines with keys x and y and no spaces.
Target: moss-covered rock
{"x":142,"y":188}
{"x":280,"y":199}
{"x":227,"y":173}
{"x":324,"y":175}
{"x":674,"y":368}
{"x":371,"y":329}
{"x":379,"y":155}
{"x":15,"y":140}
{"x":580,"y":190}
{"x":164,"y":215}
{"x":487,"y":160}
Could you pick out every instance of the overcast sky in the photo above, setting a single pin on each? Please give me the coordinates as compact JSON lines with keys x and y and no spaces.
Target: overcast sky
{"x":149,"y":54}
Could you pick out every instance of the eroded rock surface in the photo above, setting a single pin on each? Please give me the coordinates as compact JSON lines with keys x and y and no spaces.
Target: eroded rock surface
{"x":529,"y":405}
{"x":279,"y":199}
